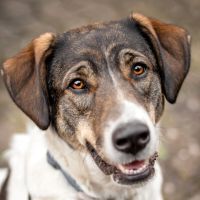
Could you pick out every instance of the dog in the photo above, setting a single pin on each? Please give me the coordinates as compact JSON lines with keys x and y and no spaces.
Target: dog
{"x":96,"y":93}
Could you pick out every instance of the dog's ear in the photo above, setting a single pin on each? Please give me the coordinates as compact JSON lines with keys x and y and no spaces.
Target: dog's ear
{"x":172,"y":47}
{"x":25,"y":78}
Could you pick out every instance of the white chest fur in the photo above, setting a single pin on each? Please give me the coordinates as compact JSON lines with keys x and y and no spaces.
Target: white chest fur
{"x":32,"y":174}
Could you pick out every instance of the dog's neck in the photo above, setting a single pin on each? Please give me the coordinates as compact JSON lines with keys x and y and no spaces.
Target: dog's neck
{"x":83,"y":170}
{"x":70,"y":180}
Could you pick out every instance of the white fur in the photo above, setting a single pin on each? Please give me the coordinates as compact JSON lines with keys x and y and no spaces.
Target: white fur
{"x":31,"y":173}
{"x":17,"y":160}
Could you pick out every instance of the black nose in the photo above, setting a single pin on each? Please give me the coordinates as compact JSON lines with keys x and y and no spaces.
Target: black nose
{"x":131,"y":137}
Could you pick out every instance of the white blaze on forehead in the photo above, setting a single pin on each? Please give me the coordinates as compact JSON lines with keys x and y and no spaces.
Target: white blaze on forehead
{"x":112,"y":75}
{"x":116,"y":85}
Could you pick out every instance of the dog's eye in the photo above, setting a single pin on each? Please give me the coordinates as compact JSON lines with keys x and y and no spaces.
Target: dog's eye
{"x":77,"y":84}
{"x":138,"y":69}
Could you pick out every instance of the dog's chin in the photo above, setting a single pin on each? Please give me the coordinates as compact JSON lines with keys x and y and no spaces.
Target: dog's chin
{"x":135,"y":172}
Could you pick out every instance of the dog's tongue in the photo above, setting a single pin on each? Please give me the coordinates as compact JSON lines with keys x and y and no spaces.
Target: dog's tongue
{"x":134,"y":165}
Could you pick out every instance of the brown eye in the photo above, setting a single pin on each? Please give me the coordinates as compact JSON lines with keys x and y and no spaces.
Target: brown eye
{"x":138,"y":69}
{"x":77,"y":84}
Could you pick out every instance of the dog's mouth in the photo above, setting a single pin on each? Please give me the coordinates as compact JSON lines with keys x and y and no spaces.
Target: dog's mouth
{"x":137,"y":171}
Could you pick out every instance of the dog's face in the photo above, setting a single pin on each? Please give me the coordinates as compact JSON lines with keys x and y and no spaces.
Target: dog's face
{"x":102,"y":89}
{"x":106,"y":94}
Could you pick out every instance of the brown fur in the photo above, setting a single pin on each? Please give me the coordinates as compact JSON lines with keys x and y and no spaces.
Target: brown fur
{"x":25,"y":78}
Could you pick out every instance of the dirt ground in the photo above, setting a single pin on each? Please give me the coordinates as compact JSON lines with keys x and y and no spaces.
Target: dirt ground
{"x":22,"y":20}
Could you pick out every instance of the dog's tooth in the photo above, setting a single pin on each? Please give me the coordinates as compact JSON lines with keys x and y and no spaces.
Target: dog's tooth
{"x":134,"y":172}
{"x":131,"y":171}
{"x":139,"y":170}
{"x":127,"y":171}
{"x":142,"y":168}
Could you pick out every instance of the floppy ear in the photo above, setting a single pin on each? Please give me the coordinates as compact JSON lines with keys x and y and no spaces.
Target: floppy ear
{"x":172,"y":47}
{"x":25,"y":78}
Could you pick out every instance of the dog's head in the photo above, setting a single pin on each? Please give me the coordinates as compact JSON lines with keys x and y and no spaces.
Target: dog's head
{"x":102,"y":88}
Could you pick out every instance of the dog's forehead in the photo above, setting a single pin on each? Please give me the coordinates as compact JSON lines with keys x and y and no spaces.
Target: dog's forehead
{"x":101,"y":35}
{"x":97,"y":43}
{"x":100,"y":38}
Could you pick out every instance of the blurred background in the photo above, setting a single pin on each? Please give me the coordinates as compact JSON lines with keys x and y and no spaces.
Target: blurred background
{"x":22,"y":20}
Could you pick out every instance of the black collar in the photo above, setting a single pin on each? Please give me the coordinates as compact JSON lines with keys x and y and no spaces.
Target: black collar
{"x":68,"y":178}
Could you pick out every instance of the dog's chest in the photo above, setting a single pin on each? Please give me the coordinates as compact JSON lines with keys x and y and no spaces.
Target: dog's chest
{"x":33,"y":175}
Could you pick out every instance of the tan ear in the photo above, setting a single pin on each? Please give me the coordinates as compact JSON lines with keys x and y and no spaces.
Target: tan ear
{"x":172,"y":47}
{"x":25,"y":78}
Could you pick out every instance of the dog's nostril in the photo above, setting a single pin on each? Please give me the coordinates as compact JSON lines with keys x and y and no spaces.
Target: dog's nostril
{"x":143,"y":138}
{"x":131,"y":137}
{"x":122,"y":143}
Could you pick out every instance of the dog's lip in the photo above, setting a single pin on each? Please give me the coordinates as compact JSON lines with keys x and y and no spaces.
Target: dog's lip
{"x":106,"y":168}
{"x":134,"y":178}
{"x":126,"y":173}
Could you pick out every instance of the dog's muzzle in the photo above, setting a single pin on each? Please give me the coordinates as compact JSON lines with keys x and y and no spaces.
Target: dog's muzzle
{"x":129,"y":140}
